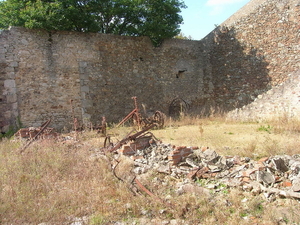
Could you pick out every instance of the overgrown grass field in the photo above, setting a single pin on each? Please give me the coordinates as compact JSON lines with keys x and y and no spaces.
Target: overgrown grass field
{"x":61,"y":182}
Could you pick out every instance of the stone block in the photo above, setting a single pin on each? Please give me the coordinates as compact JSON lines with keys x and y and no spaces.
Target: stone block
{"x":9,"y":84}
{"x":13,"y":64}
{"x":11,"y":98}
{"x":85,"y":88}
{"x":296,"y":185}
{"x":266,"y":177}
{"x":280,"y":165}
{"x":209,"y":155}
{"x":2,"y":50}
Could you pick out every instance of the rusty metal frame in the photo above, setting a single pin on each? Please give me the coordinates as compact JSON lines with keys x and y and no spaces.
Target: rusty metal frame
{"x":134,"y":112}
{"x":133,"y":137}
{"x":141,"y":122}
{"x":43,"y":127}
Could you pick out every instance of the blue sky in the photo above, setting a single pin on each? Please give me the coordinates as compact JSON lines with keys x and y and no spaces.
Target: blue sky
{"x":201,"y":15}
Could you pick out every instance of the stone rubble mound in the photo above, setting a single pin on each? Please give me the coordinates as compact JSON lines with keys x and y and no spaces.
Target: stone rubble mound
{"x":275,"y":176}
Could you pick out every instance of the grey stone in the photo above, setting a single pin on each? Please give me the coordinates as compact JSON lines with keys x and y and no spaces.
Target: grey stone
{"x":9,"y":84}
{"x":296,"y":185}
{"x":289,"y":194}
{"x":163,"y":169}
{"x":256,"y":187}
{"x":280,"y":165}
{"x":266,"y":177}
{"x":210,"y":155}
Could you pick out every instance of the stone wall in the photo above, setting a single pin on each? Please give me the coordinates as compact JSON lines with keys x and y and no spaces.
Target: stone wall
{"x":253,"y":51}
{"x":42,"y":73}
{"x":99,"y":73}
{"x":8,"y":89}
{"x":282,"y":101}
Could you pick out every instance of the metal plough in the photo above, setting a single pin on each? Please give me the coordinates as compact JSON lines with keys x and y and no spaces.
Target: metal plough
{"x":136,"y":117}
{"x":110,"y":147}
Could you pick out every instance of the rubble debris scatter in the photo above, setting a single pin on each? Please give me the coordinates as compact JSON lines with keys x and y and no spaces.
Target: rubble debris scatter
{"x":276,"y":176}
{"x":31,"y":133}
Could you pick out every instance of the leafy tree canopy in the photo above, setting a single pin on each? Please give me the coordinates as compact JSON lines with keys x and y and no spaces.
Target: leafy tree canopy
{"x":158,"y":19}
{"x":183,"y":36}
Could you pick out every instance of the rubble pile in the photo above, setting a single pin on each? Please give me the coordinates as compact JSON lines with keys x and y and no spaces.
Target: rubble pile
{"x":32,"y":132}
{"x":275,"y":176}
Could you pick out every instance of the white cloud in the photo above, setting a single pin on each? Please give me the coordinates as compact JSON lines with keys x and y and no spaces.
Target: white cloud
{"x":222,"y":2}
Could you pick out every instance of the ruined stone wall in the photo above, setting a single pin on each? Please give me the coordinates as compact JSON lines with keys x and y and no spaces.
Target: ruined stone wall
{"x":282,"y":101}
{"x":247,"y":55}
{"x":253,"y":51}
{"x":8,"y":91}
{"x":99,"y":73}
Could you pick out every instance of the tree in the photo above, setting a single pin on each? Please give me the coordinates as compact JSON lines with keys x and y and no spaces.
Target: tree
{"x":158,"y":19}
{"x":182,"y":36}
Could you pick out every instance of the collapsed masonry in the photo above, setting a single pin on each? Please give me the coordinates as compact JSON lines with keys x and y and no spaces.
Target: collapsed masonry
{"x":276,"y":176}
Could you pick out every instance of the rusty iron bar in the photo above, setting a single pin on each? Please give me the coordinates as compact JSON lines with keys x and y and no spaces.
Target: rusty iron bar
{"x":126,"y":139}
{"x":44,"y":126}
{"x":103,"y":126}
{"x":135,"y":112}
{"x":139,"y":184}
{"x":147,"y":191}
{"x":138,"y":119}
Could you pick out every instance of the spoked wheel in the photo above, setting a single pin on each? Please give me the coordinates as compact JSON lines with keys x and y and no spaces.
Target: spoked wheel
{"x":159,"y":119}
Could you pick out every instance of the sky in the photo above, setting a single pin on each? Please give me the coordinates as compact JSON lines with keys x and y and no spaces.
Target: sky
{"x":201,"y":16}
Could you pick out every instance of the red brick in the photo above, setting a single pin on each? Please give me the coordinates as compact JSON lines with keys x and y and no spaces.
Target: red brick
{"x":202,"y":173}
{"x":286,"y":183}
{"x":180,"y":147}
{"x":262,"y":160}
{"x":204,"y":148}
{"x":187,"y":150}
{"x":175,"y":152}
{"x":174,"y":157}
{"x":192,"y":174}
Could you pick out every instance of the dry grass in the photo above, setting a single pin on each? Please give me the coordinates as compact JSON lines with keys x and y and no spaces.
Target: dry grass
{"x":57,"y":182}
{"x":254,"y":140}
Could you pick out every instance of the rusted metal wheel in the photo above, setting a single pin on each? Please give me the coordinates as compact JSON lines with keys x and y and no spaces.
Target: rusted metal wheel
{"x":159,"y":119}
{"x":145,"y":122}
